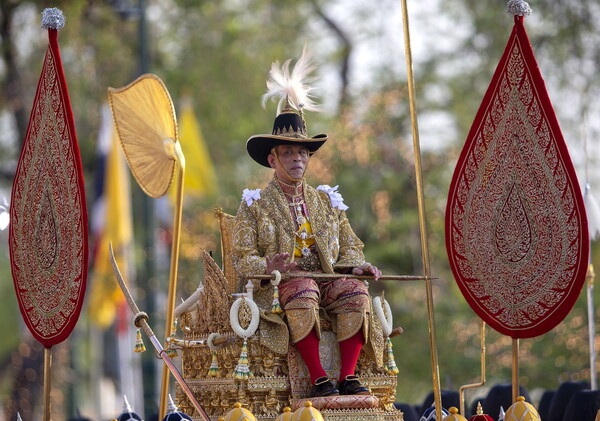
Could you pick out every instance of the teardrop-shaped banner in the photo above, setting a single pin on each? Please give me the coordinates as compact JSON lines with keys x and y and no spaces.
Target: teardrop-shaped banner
{"x":516,"y":228}
{"x":48,"y":217}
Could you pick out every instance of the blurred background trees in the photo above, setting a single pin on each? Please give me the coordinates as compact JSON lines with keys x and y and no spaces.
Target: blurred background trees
{"x":218,"y":54}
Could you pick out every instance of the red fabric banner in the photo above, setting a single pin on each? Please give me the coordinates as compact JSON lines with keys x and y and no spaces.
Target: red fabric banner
{"x":48,"y":228}
{"x":516,"y":228}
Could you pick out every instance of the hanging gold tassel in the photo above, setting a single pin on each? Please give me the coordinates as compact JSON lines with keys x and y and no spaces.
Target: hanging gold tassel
{"x":214,"y":370}
{"x":390,"y":364}
{"x":139,"y":343}
{"x":242,"y":370}
{"x":276,"y":306}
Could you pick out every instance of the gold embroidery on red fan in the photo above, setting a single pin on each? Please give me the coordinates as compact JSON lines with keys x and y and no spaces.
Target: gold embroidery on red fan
{"x":516,"y":230}
{"x":48,"y":230}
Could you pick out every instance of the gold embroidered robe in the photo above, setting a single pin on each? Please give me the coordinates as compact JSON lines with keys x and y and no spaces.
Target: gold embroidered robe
{"x":266,"y":228}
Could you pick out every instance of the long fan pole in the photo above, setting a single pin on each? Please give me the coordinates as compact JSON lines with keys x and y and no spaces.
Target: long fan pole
{"x":175,"y":151}
{"x":47,"y":382}
{"x":515,"y":369}
{"x":590,"y":275}
{"x":591,"y":323}
{"x":435,"y":371}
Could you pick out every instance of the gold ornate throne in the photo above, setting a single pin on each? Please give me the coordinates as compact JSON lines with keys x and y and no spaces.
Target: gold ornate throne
{"x":211,"y":353}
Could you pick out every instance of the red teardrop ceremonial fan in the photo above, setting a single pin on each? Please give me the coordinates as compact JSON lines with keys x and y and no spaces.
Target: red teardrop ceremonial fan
{"x":516,"y":228}
{"x":48,"y":229}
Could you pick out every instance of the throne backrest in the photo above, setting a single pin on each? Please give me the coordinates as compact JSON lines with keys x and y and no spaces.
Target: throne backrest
{"x":226,"y":226}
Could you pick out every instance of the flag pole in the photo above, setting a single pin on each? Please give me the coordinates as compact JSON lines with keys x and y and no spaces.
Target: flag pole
{"x":174,"y":149}
{"x":422,"y":222}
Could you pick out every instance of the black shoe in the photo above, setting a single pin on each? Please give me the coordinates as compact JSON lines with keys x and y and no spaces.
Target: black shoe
{"x":351,"y":386}
{"x":323,"y":387}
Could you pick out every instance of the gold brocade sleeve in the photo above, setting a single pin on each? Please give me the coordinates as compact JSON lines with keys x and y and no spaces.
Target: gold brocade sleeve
{"x":339,"y":246}
{"x":265,"y":228}
{"x":351,"y":247}
{"x":245,"y":237}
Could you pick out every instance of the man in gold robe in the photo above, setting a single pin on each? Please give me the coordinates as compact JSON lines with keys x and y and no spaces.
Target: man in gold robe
{"x":290,"y":226}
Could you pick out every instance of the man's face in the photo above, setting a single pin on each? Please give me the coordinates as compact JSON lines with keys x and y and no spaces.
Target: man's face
{"x":293,"y":159}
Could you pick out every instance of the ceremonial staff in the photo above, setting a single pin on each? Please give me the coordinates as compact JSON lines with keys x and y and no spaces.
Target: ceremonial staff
{"x":435,"y":371}
{"x":324,"y":276}
{"x":48,"y":231}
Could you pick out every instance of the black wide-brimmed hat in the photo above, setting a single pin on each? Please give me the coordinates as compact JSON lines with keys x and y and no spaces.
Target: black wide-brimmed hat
{"x":289,"y":128}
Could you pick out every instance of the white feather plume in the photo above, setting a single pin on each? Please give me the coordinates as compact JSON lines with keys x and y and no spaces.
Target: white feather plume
{"x":291,"y":85}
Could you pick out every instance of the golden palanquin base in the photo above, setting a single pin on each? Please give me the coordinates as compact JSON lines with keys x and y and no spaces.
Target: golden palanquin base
{"x":277,"y":380}
{"x":269,"y":390}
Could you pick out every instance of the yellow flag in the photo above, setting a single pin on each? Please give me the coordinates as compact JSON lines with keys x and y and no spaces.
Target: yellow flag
{"x":200,"y":178}
{"x":116,"y":228}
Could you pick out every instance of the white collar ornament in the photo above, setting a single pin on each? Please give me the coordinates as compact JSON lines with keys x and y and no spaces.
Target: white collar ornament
{"x":337,"y":201}
{"x":249,"y":196}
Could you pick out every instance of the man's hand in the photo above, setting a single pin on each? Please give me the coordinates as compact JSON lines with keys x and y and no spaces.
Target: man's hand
{"x":367,"y":270}
{"x":279,"y":262}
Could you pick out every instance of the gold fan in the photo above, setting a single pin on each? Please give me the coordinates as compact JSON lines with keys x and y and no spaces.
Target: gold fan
{"x":147,"y":127}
